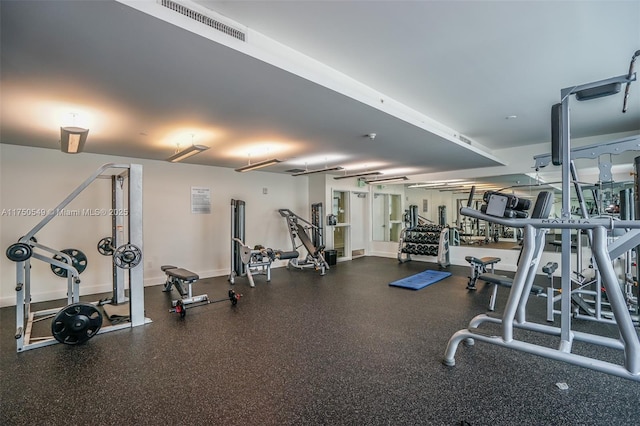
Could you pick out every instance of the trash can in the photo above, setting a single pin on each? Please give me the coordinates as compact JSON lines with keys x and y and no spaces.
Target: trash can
{"x":331,"y":256}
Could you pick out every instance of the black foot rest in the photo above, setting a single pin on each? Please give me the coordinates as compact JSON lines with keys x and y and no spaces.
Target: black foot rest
{"x":505,"y":281}
{"x":482,"y":261}
{"x":287,"y":255}
{"x":181,"y":274}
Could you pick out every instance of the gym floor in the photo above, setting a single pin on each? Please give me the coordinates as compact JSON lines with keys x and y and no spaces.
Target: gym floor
{"x":305,"y":349}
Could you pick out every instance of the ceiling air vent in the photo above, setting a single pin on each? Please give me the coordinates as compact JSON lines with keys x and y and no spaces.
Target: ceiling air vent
{"x":295,"y":171}
{"x":204,"y":19}
{"x":464,"y":139}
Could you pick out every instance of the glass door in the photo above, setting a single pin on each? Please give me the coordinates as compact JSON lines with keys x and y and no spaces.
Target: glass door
{"x":340,"y":209}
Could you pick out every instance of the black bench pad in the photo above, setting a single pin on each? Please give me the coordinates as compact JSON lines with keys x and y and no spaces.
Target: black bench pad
{"x":484,"y":261}
{"x":182,"y":274}
{"x":505,"y":281}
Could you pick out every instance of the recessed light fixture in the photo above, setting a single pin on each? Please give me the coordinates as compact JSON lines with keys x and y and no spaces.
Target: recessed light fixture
{"x":511,"y":117}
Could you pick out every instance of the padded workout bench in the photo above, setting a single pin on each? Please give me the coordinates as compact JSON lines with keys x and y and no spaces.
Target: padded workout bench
{"x":504,"y":281}
{"x":479,"y":267}
{"x":510,"y":206}
{"x":179,"y":278}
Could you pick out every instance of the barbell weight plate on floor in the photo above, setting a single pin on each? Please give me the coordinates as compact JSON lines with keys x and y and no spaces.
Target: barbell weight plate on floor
{"x":78,"y":261}
{"x":76,"y":323}
{"x":19,"y":252}
{"x":127,"y":256}
{"x":105,"y":246}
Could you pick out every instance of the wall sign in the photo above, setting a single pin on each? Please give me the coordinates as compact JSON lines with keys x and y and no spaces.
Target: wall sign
{"x":200,"y":200}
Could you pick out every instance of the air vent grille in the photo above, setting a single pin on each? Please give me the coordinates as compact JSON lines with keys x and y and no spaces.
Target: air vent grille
{"x":464,"y":139}
{"x":204,"y":19}
{"x":295,"y":171}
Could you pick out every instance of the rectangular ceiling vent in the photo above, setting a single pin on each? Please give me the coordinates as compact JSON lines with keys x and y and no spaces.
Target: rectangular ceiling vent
{"x":464,"y":139}
{"x":204,"y":19}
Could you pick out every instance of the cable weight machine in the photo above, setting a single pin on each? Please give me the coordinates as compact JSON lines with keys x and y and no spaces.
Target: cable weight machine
{"x":603,"y":252}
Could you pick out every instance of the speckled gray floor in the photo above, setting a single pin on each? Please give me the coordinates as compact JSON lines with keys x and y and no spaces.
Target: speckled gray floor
{"x":343,"y":349}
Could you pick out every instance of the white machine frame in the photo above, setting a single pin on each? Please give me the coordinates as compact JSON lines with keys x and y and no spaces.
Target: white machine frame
{"x":25,"y":317}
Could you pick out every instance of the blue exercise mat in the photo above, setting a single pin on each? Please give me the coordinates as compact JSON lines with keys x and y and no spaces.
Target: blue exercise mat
{"x":421,"y":280}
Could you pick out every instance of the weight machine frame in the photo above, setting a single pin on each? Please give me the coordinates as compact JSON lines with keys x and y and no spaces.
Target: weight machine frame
{"x":238,"y":268}
{"x":25,"y":317}
{"x":298,"y":228}
{"x":515,"y":311}
{"x":597,"y":313}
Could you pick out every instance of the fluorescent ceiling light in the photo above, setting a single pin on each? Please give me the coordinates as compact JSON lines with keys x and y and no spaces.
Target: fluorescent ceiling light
{"x":387,"y":180}
{"x":258,"y":165}
{"x":72,"y":139}
{"x":326,"y":169}
{"x":186,"y":153}
{"x":358,"y":175}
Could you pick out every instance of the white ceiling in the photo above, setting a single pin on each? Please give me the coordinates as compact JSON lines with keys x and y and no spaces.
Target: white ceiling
{"x":313,"y":78}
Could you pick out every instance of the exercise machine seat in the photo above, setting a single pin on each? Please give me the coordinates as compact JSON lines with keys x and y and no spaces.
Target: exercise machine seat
{"x":505,"y":281}
{"x":482,"y":261}
{"x":479,"y":266}
{"x":180,"y":273}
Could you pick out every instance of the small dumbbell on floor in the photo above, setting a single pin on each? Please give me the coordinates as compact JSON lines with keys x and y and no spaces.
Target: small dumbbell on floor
{"x":181,"y":308}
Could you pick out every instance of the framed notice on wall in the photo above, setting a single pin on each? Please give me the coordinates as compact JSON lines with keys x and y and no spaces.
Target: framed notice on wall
{"x":200,"y":200}
{"x":425,"y":206}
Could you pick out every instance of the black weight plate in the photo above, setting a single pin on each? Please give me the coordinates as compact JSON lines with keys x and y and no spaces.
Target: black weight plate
{"x":127,"y":256}
{"x":76,"y":323}
{"x":105,"y":246}
{"x":19,"y":252}
{"x":78,"y":261}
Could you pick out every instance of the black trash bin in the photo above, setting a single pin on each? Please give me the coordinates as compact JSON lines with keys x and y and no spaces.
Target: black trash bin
{"x":331,"y":256}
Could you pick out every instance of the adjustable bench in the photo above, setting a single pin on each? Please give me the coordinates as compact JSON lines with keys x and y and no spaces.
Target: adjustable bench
{"x":315,"y":255}
{"x":179,"y":278}
{"x":500,"y":205}
{"x":478,"y":267}
{"x":504,"y":281}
